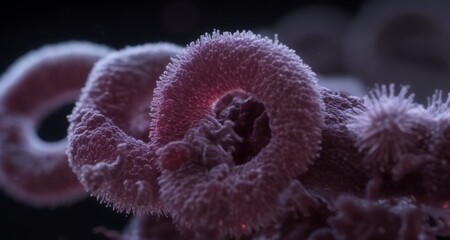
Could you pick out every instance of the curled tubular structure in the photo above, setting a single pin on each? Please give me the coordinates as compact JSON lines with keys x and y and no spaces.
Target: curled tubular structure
{"x":237,"y":141}
{"x":199,"y":120}
{"x":108,"y":132}
{"x":32,"y":169}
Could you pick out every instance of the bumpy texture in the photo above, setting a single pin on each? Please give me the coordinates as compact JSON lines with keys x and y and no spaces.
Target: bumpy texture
{"x":387,"y":127}
{"x":339,"y":168}
{"x":239,"y":142}
{"x":405,"y":145}
{"x":31,"y":169}
{"x":108,"y":132}
{"x":199,"y":178}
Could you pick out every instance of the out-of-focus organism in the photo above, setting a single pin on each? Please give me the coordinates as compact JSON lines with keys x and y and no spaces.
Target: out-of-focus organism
{"x":402,"y":42}
{"x":34,"y":169}
{"x":316,"y":33}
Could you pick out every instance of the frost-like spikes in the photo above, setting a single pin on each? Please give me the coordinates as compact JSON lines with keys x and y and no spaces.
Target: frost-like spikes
{"x":439,"y":115}
{"x":439,"y":109}
{"x":108,"y":134}
{"x":386,"y":127}
{"x":32,"y":169}
{"x":436,"y":174}
{"x":233,"y":199}
{"x":407,"y":142}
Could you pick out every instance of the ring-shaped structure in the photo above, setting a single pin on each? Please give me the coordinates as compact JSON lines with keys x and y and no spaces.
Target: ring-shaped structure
{"x":33,"y":170}
{"x":233,"y":199}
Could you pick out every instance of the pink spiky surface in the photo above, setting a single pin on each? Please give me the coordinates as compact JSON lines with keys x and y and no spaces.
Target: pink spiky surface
{"x":222,"y":195}
{"x":244,"y":144}
{"x":109,"y":150}
{"x":221,"y":163}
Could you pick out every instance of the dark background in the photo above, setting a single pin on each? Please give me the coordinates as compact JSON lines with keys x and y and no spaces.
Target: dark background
{"x":27,"y":26}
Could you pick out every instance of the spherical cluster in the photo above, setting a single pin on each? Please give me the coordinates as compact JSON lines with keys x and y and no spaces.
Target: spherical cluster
{"x":387,"y":126}
{"x":404,"y":142}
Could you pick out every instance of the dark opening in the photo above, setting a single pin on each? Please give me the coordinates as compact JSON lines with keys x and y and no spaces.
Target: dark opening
{"x":54,"y":126}
{"x":250,"y":122}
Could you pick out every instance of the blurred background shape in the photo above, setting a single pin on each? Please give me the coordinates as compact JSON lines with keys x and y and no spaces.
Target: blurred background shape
{"x":315,"y":32}
{"x":404,"y":42}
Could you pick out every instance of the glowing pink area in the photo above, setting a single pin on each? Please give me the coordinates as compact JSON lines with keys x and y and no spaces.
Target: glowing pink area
{"x":199,"y":178}
{"x":108,"y":133}
{"x":32,"y":170}
{"x":243,"y":144}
